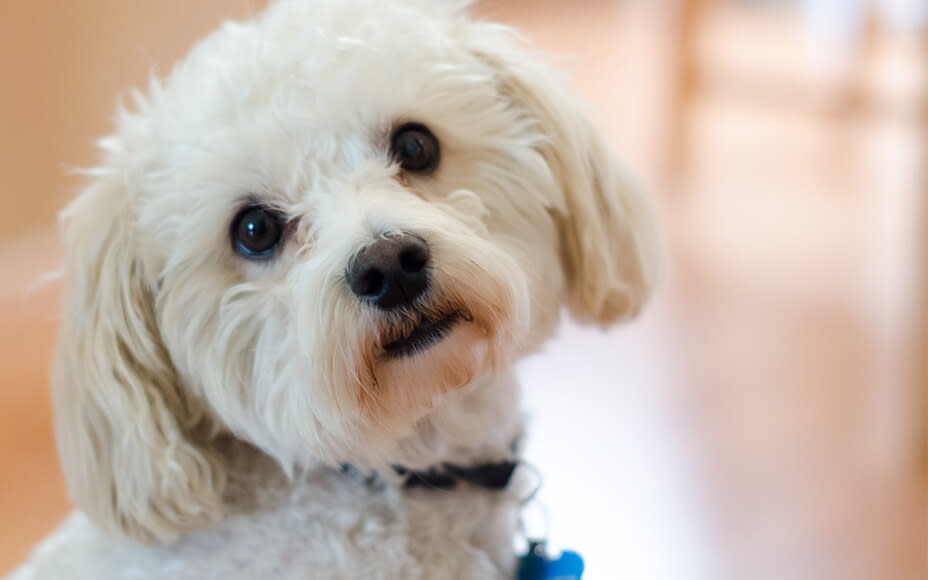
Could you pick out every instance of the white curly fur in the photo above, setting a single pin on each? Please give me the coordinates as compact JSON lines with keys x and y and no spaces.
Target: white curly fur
{"x":201,"y":399}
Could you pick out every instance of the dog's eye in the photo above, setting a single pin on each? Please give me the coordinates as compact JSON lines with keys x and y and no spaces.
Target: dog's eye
{"x":415,"y":148}
{"x":256,"y":232}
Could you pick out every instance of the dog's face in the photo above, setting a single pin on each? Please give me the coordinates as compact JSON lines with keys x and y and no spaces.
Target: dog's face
{"x":321,"y":223}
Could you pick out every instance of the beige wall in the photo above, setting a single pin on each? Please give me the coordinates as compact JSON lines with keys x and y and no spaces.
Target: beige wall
{"x":63,"y":64}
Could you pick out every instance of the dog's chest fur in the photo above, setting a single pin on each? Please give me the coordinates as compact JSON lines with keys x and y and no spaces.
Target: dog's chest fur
{"x":324,"y":524}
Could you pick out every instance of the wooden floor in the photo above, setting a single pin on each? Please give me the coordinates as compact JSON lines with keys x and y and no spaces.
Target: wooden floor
{"x":779,"y":349}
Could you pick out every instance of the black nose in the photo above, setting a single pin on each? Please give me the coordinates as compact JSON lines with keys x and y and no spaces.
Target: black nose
{"x":391,"y":272}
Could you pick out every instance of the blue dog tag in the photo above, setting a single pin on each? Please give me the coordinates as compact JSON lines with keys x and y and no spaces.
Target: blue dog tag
{"x":536,"y":565}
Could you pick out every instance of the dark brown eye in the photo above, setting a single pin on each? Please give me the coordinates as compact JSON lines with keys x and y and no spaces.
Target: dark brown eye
{"x":256,"y":232}
{"x":415,"y":148}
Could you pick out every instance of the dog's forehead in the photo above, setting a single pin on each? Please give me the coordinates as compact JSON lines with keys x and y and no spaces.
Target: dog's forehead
{"x":309,"y":91}
{"x":335,"y":66}
{"x":299,"y":105}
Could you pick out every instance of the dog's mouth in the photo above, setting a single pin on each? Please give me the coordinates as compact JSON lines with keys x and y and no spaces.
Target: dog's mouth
{"x":425,"y":335}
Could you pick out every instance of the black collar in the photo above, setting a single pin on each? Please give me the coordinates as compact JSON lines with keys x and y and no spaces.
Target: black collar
{"x":492,"y":476}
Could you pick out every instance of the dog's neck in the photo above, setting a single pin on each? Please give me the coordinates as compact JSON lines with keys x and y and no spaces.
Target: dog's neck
{"x":479,"y":424}
{"x":476,"y":424}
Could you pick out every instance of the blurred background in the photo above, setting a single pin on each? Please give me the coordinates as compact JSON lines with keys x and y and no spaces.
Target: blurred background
{"x":764,"y":419}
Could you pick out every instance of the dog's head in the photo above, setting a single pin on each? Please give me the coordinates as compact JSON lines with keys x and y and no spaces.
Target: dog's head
{"x":321,"y":222}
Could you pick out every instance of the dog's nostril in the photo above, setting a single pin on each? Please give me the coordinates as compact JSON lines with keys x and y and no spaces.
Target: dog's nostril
{"x":369,"y":283}
{"x":413,"y":258}
{"x":390,"y":272}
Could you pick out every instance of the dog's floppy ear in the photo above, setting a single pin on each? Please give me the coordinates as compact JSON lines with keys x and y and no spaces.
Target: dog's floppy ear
{"x":608,"y":239}
{"x":121,"y":422}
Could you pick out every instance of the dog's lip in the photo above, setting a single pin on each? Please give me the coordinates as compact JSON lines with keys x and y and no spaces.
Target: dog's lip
{"x":427,"y":334}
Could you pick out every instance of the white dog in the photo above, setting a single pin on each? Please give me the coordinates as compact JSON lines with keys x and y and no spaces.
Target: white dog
{"x":299,"y":283}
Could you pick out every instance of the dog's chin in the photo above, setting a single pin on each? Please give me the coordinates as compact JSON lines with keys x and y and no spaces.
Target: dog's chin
{"x":444,"y":359}
{"x":416,"y":364}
